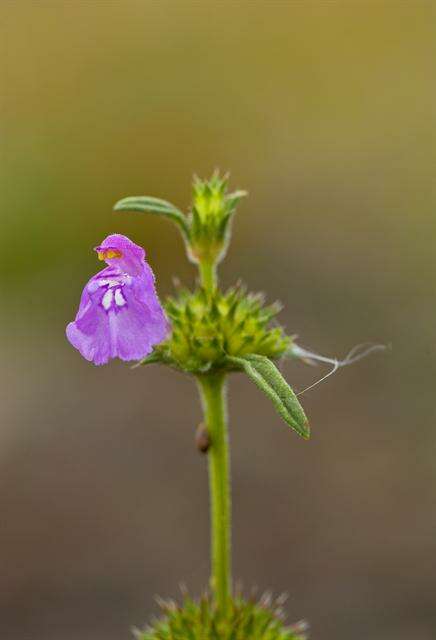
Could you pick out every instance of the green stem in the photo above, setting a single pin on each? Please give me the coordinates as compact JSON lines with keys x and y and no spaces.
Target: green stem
{"x":208,"y":275}
{"x":212,"y":389}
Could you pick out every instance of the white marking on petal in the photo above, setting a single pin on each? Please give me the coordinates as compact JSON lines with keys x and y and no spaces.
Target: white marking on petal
{"x":107,"y":299}
{"x":108,"y":282}
{"x":120,"y":300}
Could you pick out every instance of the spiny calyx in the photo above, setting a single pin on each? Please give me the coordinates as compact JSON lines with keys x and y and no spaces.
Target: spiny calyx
{"x":208,"y":329}
{"x":244,"y":620}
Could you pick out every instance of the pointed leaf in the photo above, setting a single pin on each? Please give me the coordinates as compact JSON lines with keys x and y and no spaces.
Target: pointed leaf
{"x":148,"y":204}
{"x":153,"y":358}
{"x":269,"y":380}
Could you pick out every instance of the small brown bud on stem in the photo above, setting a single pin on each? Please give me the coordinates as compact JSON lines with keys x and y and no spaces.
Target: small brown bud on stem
{"x":202,"y":438}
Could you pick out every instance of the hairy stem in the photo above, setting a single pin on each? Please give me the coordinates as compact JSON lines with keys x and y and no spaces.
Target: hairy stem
{"x":212,"y":389}
{"x":208,"y":275}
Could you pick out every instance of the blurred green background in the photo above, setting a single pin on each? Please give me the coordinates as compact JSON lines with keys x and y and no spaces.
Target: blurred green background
{"x":325,"y":112}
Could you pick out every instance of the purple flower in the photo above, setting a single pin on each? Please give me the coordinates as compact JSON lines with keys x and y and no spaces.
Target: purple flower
{"x":120,"y":315}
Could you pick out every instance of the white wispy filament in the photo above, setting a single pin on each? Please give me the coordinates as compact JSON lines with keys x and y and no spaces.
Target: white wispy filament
{"x":357,"y":353}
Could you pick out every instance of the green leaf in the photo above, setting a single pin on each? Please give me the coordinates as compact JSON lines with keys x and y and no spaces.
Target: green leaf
{"x":269,"y":380}
{"x":153,"y":358}
{"x":148,"y":204}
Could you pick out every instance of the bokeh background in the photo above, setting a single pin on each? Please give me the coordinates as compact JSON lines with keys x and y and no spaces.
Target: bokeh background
{"x":325,"y":112}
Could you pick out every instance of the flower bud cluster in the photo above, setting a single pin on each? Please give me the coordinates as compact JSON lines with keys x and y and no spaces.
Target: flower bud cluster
{"x":209,"y":327}
{"x":210,"y":219}
{"x":244,"y":620}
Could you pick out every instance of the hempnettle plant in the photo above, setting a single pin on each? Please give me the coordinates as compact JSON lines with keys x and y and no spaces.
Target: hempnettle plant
{"x":209,"y":334}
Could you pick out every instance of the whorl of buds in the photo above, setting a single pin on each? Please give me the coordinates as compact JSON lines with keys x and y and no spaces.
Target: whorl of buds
{"x":201,"y":620}
{"x":209,"y":328}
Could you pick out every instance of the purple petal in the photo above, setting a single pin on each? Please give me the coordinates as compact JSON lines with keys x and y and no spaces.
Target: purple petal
{"x":119,"y":314}
{"x":91,"y":336}
{"x":136,"y":327}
